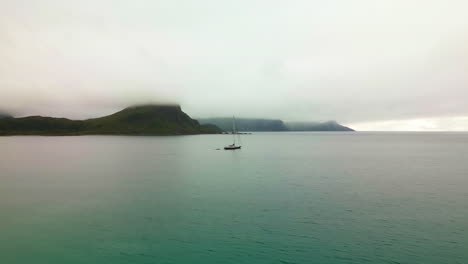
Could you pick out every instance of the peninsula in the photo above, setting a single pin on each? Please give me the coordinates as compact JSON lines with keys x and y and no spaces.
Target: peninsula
{"x":134,"y":120}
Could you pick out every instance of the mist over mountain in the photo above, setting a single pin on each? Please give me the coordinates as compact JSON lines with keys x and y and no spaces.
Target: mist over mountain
{"x":135,"y":120}
{"x":317,"y":126}
{"x":252,"y":124}
{"x":245,"y":124}
{"x":360,"y":62}
{"x":5,"y":115}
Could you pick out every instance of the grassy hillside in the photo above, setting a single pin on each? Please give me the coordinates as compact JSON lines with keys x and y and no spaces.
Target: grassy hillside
{"x":32,"y":125}
{"x":136,"y":120}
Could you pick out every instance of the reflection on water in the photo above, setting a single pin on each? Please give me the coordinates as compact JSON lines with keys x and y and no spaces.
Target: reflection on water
{"x":283,"y":198}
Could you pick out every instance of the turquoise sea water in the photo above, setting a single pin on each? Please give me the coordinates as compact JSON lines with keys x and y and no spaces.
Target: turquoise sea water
{"x":284,"y":198}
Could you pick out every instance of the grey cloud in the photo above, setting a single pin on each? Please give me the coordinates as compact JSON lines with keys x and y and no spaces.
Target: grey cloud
{"x":352,"y":61}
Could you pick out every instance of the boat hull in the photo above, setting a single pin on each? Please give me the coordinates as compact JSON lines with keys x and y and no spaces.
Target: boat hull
{"x":232,"y":147}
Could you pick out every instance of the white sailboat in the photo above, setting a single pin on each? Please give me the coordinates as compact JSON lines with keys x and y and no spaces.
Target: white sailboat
{"x":233,"y":146}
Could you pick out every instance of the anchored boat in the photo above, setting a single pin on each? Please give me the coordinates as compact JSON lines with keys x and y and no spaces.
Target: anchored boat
{"x":233,"y":146}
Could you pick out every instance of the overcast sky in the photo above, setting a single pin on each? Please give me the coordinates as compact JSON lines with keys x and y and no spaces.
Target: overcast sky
{"x":370,"y":64}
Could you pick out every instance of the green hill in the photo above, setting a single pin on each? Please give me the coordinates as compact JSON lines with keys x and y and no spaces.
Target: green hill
{"x":135,"y":120}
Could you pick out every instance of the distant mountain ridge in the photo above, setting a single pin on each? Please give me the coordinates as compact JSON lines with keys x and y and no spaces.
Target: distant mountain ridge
{"x":317,"y":126}
{"x":5,"y":115}
{"x":246,"y":124}
{"x":134,"y":120}
{"x":252,"y":124}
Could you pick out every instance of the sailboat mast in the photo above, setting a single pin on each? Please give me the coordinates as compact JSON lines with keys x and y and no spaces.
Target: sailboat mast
{"x":234,"y":130}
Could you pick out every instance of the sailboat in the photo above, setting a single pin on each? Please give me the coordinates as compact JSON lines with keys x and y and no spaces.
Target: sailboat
{"x":233,"y":146}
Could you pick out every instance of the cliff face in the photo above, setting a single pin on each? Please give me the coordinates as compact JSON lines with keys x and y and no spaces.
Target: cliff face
{"x":135,"y":120}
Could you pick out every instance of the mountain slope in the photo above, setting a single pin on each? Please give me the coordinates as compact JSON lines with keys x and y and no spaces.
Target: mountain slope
{"x":5,"y":115}
{"x":316,"y":126}
{"x":152,"y":119}
{"x":135,"y":120}
{"x":246,"y":124}
{"x":40,"y":125}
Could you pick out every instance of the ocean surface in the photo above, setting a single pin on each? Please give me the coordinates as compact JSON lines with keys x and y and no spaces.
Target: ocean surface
{"x":285,"y":198}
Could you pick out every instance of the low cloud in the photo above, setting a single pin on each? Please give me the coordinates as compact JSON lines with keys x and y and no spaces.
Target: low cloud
{"x":359,"y":62}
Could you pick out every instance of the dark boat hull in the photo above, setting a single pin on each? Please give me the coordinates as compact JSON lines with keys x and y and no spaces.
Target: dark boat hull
{"x":232,"y":148}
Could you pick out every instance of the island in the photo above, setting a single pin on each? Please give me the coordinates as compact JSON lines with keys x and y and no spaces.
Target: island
{"x":161,"y":119}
